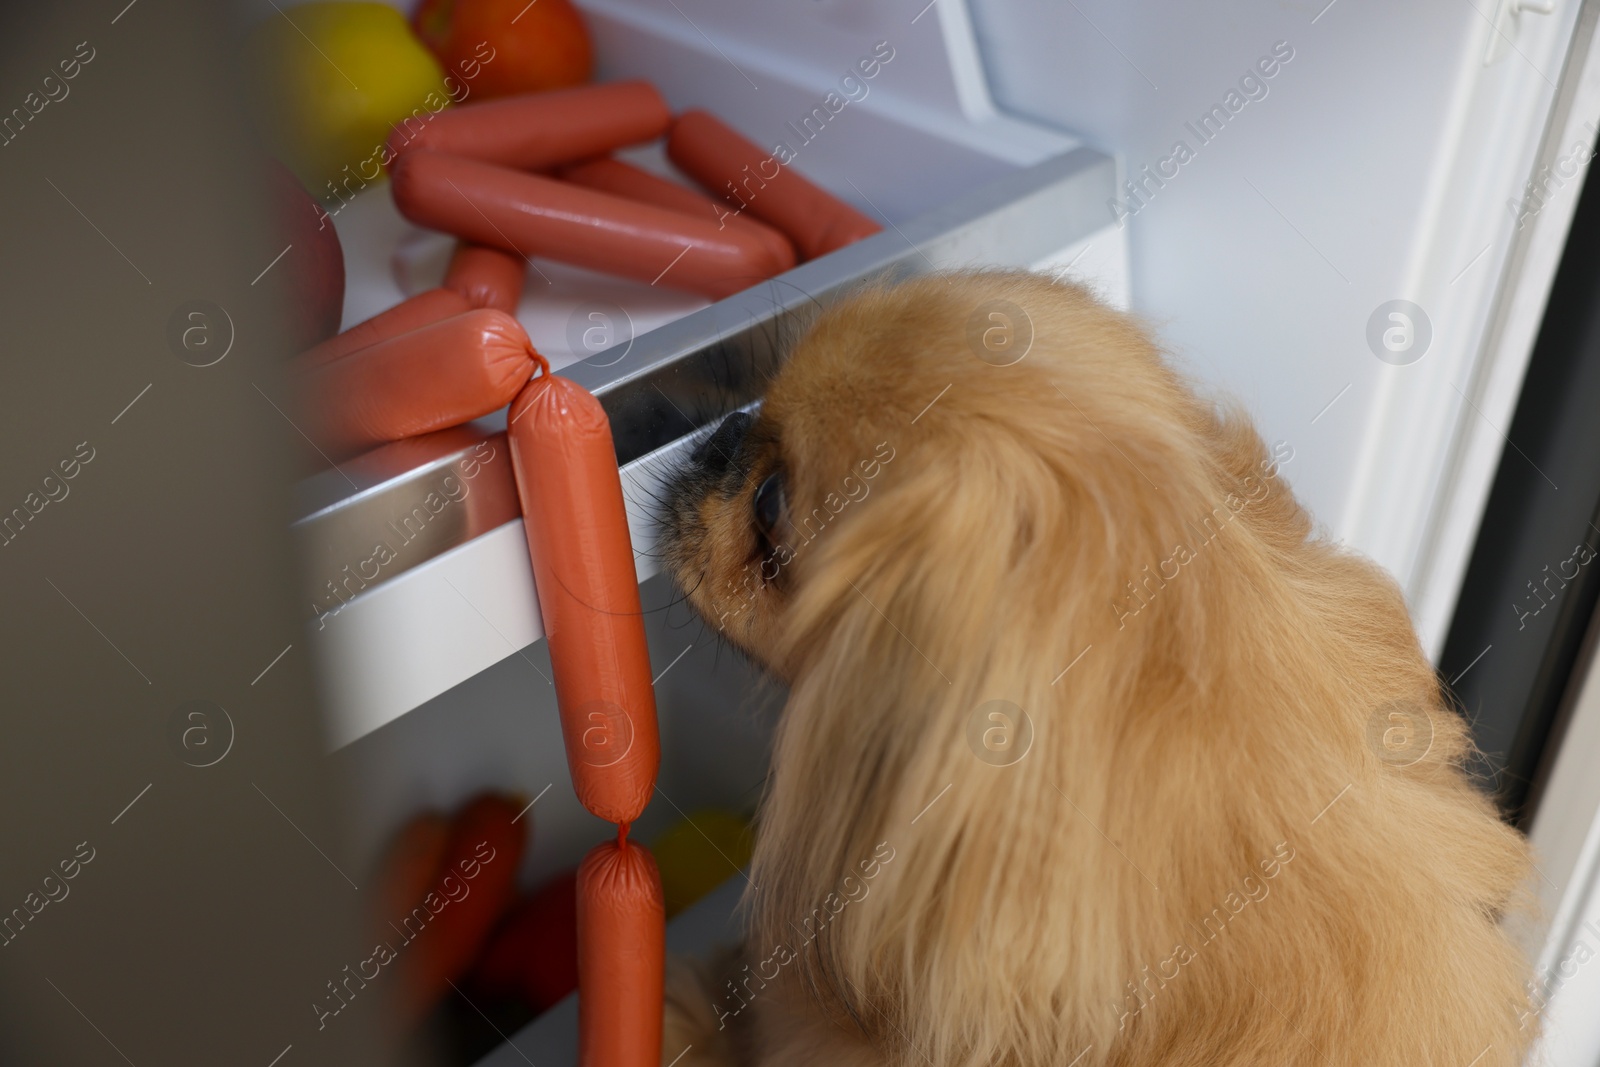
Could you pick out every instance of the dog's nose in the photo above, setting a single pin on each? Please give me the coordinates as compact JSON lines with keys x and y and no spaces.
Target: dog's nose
{"x":716,"y":452}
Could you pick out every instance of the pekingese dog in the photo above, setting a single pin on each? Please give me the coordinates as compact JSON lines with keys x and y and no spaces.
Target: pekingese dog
{"x":1093,"y":752}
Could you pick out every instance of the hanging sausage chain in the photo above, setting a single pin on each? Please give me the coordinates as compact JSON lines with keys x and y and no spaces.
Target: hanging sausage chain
{"x":577,"y":529}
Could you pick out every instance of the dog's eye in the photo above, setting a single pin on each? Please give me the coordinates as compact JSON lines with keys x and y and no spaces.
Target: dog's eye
{"x":768,"y":505}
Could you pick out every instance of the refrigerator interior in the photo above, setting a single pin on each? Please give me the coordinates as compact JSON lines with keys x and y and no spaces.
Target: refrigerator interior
{"x":1384,"y":159}
{"x":921,"y":135}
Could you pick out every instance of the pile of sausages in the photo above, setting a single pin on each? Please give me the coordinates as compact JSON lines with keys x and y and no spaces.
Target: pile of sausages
{"x":527,"y":174}
{"x":531,"y":175}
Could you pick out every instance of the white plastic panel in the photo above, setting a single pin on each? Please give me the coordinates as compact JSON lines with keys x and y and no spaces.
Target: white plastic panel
{"x":1376,"y":164}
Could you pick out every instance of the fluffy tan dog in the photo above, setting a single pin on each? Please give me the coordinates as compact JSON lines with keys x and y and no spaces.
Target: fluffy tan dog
{"x":1093,"y":752}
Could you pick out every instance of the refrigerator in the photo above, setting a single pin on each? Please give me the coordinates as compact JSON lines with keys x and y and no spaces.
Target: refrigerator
{"x":1348,"y":217}
{"x":1365,"y":223}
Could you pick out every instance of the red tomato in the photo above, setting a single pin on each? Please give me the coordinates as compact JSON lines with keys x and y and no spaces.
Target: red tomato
{"x":537,"y":45}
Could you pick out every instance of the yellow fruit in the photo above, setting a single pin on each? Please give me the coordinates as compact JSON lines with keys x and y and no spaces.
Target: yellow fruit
{"x":699,"y":853}
{"x":326,"y":81}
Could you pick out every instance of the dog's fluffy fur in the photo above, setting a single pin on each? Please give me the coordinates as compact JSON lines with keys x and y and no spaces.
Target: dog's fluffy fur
{"x":1205,"y":857}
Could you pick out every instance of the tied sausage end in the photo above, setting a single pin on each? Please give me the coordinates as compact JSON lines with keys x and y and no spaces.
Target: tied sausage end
{"x":621,"y":957}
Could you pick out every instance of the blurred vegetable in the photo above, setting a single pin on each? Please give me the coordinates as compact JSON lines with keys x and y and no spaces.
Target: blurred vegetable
{"x":474,"y":887}
{"x":534,"y":955}
{"x":699,"y":853}
{"x":536,"y":46}
{"x":326,"y":81}
{"x":410,"y":868}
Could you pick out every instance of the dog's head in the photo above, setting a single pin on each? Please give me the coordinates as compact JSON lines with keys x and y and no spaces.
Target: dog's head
{"x":956,"y":479}
{"x":1036,"y":604}
{"x":955,"y":426}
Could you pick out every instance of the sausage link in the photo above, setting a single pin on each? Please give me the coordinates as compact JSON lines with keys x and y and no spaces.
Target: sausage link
{"x":487,"y":277}
{"x":624,"y":179}
{"x":420,"y":310}
{"x":577,"y":530}
{"x":621,"y":957}
{"x":740,"y":172}
{"x":438,"y":375}
{"x":535,"y":131}
{"x":533,"y":215}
